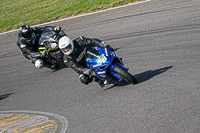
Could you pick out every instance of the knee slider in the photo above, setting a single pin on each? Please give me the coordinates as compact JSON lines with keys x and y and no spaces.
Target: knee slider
{"x":39,"y":63}
{"x":83,"y":78}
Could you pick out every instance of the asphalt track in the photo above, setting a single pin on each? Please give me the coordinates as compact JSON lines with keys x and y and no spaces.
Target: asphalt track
{"x":158,"y":41}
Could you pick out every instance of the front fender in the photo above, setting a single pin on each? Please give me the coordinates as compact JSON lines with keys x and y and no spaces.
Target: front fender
{"x":114,"y":74}
{"x":120,"y":65}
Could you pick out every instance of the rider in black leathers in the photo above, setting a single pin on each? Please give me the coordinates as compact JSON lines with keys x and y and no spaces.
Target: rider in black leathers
{"x":28,"y":38}
{"x":74,"y":56}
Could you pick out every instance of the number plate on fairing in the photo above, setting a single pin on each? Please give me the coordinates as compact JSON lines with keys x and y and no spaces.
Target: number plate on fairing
{"x":102,"y":59}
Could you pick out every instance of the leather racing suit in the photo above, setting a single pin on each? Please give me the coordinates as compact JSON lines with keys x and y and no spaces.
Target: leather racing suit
{"x":76,"y":60}
{"x":29,"y":46}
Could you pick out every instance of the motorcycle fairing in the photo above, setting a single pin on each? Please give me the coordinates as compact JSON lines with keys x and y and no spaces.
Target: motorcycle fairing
{"x":104,"y":63}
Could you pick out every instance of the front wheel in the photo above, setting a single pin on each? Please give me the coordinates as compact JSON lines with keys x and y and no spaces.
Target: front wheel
{"x":124,"y":74}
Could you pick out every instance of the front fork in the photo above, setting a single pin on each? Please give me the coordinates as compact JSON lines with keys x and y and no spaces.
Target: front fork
{"x":120,"y":63}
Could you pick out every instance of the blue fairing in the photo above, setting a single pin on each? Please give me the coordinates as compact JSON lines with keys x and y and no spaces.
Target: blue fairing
{"x":103,"y":62}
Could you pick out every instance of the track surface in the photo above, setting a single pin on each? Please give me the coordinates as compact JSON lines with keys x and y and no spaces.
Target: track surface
{"x":159,"y":41}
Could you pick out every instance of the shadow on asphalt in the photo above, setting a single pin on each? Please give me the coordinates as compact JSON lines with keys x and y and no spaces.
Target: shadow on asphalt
{"x":61,"y":67}
{"x":115,"y":49}
{"x":5,"y":96}
{"x":116,"y":86}
{"x":142,"y":77}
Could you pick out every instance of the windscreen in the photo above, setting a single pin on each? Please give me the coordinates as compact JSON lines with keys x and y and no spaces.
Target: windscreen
{"x":92,"y":53}
{"x":48,"y":35}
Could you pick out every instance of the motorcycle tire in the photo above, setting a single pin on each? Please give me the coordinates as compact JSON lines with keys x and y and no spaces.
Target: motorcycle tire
{"x":125,"y":75}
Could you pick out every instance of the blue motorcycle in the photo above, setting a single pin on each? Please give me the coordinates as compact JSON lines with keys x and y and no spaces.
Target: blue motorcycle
{"x":107,"y":66}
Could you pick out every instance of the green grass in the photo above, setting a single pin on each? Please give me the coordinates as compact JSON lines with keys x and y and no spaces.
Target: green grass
{"x":14,"y":13}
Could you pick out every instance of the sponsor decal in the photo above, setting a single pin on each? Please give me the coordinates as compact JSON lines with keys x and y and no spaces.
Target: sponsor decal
{"x":101,"y":72}
{"x":102,"y":59}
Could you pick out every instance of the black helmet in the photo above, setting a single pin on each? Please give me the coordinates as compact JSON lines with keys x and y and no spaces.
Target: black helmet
{"x":25,"y":31}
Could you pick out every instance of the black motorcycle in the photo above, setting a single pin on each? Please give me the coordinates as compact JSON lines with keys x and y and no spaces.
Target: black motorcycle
{"x":48,"y":46}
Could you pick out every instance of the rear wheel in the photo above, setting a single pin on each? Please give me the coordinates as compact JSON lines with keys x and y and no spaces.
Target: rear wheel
{"x":125,"y":75}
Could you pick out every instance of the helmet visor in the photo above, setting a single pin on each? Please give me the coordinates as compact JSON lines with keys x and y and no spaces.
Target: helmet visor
{"x":26,"y":35}
{"x":67,"y":48}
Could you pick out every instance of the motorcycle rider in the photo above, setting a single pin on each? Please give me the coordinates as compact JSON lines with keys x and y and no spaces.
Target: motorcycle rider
{"x":74,"y":52}
{"x":28,"y":38}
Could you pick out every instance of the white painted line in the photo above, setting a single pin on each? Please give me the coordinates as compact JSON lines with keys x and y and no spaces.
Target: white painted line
{"x":83,"y":15}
